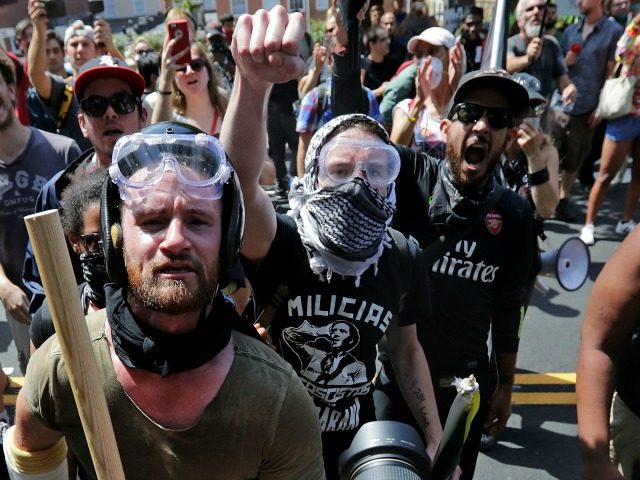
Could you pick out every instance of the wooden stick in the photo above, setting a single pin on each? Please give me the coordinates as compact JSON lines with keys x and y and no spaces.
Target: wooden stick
{"x":49,"y":245}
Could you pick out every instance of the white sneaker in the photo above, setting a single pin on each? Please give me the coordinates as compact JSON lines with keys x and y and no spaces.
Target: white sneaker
{"x":586,"y":234}
{"x":623,"y":228}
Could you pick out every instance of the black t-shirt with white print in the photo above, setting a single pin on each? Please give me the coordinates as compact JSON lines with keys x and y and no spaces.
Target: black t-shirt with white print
{"x":329,"y":331}
{"x":480,"y":273}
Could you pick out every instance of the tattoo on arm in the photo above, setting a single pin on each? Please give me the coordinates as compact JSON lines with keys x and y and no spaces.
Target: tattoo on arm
{"x":419,"y":400}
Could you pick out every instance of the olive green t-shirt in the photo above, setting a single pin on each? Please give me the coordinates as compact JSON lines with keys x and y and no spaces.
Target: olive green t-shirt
{"x":261,"y":424}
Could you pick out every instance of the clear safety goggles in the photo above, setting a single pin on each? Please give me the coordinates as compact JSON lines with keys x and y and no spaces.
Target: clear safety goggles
{"x":341,"y":159}
{"x":140,"y":161}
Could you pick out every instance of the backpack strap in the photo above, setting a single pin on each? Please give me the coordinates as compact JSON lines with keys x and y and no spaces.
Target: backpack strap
{"x":409,"y":251}
{"x":65,"y":104}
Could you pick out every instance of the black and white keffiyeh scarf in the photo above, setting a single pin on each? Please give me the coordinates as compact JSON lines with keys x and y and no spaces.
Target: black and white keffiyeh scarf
{"x":450,"y":206}
{"x":344,"y":228}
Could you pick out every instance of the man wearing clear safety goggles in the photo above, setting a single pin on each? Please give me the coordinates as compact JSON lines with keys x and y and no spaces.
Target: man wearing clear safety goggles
{"x":171,"y":219}
{"x":196,"y":163}
{"x":344,"y":158}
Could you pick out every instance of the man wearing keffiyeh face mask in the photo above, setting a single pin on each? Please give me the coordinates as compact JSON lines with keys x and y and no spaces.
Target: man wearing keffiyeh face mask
{"x":343,"y":206}
{"x":337,"y":268}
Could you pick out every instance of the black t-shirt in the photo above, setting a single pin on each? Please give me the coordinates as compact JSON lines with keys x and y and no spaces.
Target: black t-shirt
{"x":378,"y":73}
{"x":479,"y":273}
{"x":329,"y":331}
{"x":282,"y":96}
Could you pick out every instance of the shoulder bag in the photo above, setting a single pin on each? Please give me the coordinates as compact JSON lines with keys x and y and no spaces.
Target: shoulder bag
{"x":616,"y":96}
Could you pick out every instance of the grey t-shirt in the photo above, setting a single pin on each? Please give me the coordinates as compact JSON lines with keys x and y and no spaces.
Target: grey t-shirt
{"x":20,"y":183}
{"x":548,"y":67}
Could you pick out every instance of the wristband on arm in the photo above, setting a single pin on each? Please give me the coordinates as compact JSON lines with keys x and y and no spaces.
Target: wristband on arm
{"x":539,"y":177}
{"x":47,"y":464}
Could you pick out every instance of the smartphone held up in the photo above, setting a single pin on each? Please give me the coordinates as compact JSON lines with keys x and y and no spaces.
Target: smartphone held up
{"x":179,"y":30}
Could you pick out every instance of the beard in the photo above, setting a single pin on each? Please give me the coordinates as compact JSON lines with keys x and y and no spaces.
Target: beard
{"x":460,"y":179}
{"x":531,"y":29}
{"x":171,"y":296}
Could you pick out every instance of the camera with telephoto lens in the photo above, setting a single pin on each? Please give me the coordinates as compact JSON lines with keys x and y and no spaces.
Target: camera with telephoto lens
{"x":385,"y":449}
{"x":55,"y":8}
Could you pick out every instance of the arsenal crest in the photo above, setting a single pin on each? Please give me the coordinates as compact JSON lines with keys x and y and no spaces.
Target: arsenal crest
{"x":493,"y":221}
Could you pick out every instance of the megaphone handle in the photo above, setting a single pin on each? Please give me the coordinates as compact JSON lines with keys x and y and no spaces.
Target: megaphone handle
{"x":541,"y":287}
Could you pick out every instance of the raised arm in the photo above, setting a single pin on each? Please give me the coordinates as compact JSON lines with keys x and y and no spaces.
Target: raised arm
{"x":541,"y":155}
{"x":265,"y":47}
{"x":612,"y":312}
{"x":163,"y":110}
{"x":37,"y":54}
{"x":104,"y":39}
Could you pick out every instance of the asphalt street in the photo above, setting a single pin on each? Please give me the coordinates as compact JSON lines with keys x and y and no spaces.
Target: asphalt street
{"x":541,"y":438}
{"x":540,"y":442}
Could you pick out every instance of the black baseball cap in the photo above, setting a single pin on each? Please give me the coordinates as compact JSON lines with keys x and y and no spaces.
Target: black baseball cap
{"x":494,"y":79}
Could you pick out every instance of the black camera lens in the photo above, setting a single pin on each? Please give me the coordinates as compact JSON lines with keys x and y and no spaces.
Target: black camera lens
{"x":385,"y":450}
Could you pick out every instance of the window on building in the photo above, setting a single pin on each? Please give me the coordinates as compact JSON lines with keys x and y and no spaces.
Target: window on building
{"x":238,"y":7}
{"x":269,"y":4}
{"x":322,"y":5}
{"x":296,"y":5}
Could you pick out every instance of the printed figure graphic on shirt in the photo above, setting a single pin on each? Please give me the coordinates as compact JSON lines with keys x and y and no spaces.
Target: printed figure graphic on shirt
{"x":325,"y":354}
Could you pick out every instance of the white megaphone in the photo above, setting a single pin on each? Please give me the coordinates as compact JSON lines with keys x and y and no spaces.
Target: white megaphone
{"x":569,"y":264}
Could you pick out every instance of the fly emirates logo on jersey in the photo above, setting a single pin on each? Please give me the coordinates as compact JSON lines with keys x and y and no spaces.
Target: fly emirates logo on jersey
{"x":334,"y":346}
{"x":461,"y":265}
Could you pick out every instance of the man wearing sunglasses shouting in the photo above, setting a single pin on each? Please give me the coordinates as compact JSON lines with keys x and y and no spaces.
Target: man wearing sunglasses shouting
{"x":479,"y":246}
{"x":109,"y":93}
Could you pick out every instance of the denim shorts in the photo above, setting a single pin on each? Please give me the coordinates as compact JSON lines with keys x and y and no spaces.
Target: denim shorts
{"x":623,"y":128}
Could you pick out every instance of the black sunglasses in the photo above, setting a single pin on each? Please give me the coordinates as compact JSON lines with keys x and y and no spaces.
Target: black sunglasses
{"x":122,"y":103}
{"x":92,"y":242}
{"x":470,"y":113}
{"x":196,"y":65}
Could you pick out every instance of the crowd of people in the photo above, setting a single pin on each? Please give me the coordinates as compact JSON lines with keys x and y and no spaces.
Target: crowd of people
{"x":417,"y":175}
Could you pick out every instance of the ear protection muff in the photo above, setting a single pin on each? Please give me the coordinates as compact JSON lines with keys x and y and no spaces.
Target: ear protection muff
{"x":111,"y":232}
{"x":232,"y":228}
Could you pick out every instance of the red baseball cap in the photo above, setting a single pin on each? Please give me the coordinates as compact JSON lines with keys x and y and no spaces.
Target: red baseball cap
{"x":107,"y":66}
